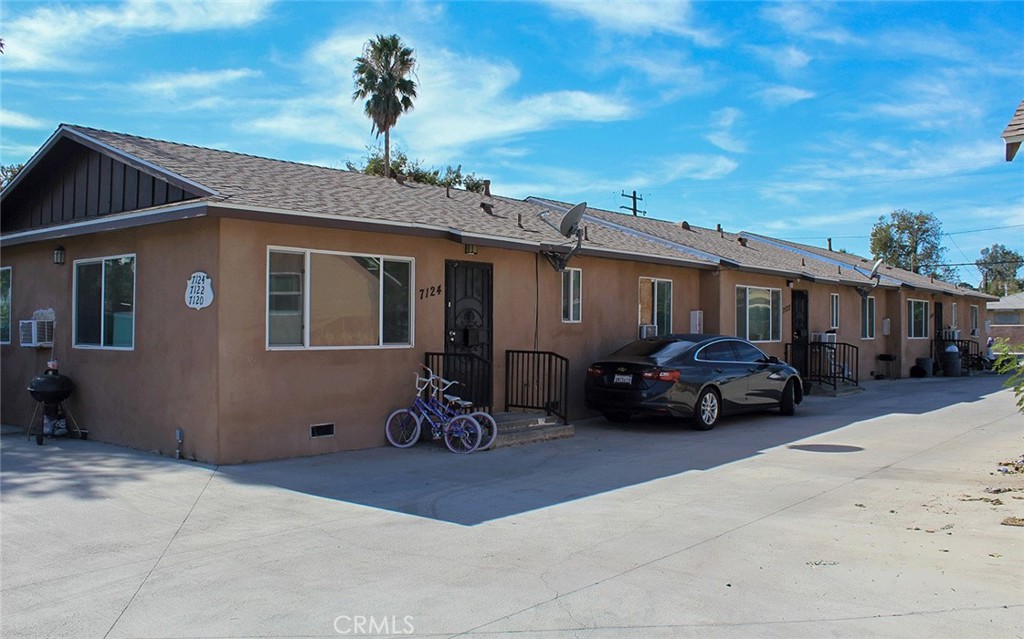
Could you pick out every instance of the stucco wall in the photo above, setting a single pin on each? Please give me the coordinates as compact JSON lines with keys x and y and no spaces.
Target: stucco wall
{"x":133,"y":397}
{"x":269,"y":398}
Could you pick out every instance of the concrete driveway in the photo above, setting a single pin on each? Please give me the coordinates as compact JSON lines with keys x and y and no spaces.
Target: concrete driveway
{"x":877,"y":514}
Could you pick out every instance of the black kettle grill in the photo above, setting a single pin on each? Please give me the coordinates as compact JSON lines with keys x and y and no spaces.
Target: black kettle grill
{"x":51,"y":389}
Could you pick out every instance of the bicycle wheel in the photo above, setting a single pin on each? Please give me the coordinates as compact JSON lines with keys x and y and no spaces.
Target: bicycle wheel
{"x":488,"y":429}
{"x":402,"y":428}
{"x":462,"y":434}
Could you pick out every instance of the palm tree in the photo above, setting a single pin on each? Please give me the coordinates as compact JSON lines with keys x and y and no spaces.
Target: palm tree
{"x":382,"y":75}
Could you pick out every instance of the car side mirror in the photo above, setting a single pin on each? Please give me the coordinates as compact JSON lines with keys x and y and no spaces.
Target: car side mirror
{"x":773,"y":360}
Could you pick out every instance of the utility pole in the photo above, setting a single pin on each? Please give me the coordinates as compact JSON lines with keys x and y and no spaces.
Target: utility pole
{"x":636,"y":198}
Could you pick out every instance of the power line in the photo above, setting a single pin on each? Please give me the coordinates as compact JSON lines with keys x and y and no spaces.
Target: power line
{"x":864,"y":237}
{"x":875,"y":178}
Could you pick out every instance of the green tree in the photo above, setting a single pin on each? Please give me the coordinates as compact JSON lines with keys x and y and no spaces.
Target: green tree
{"x":8,"y":172}
{"x":999,"y":266}
{"x":373,"y":164}
{"x":1010,"y":363}
{"x":911,"y":241}
{"x":383,"y":78}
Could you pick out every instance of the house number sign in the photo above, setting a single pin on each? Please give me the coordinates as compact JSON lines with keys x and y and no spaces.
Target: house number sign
{"x":199,"y":292}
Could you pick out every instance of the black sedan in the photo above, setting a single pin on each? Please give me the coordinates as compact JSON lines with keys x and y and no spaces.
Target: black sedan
{"x":698,"y":376}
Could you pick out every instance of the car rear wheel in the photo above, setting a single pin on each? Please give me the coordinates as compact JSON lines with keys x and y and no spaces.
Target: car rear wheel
{"x":787,"y":405}
{"x":708,"y":410}
{"x":617,"y":416}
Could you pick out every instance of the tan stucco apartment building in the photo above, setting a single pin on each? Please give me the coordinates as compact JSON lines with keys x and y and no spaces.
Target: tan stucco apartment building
{"x":269,"y":309}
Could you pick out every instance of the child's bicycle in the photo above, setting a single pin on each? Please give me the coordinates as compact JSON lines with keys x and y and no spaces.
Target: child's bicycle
{"x":455,"y":405}
{"x":461,"y":433}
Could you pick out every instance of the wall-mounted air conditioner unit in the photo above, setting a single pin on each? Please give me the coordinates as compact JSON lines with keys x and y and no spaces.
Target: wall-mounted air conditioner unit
{"x":823,"y":337}
{"x":648,"y":330}
{"x":36,"y":333}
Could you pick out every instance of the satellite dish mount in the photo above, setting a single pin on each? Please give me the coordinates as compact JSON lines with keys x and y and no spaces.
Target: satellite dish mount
{"x":570,"y":228}
{"x":874,"y":277}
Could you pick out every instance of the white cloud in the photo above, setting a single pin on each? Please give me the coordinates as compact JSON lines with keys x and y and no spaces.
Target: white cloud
{"x":722,"y":136}
{"x":640,"y":18}
{"x":14,"y":120}
{"x":60,"y":37}
{"x":668,"y":69}
{"x":173,"y":85}
{"x":807,"y":20}
{"x":781,"y":95}
{"x":694,"y":167}
{"x":460,"y":101}
{"x":930,"y":103}
{"x":785,"y":59}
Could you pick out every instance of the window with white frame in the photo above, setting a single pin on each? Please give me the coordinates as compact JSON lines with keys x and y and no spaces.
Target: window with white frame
{"x":325,"y":299}
{"x":917,"y":319}
{"x":572,"y":295}
{"x":656,"y":304}
{"x":974,"y":319}
{"x":867,"y":318}
{"x":5,"y":305}
{"x":759,"y":313}
{"x":834,"y":315}
{"x":955,"y":322}
{"x":104,"y":314}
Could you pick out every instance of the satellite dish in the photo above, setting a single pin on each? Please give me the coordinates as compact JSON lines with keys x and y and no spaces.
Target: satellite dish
{"x":570,"y":224}
{"x":874,"y":269}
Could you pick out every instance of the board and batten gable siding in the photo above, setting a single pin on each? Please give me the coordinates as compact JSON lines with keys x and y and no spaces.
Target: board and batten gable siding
{"x":74,"y":182}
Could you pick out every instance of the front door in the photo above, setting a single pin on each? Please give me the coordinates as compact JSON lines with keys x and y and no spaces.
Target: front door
{"x":938,"y":321}
{"x":468,"y":328}
{"x":801,"y":334}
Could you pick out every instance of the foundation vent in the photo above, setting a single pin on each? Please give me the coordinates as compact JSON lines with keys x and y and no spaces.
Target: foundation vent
{"x":321,"y":430}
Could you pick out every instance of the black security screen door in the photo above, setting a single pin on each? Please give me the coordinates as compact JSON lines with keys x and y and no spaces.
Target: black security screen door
{"x":801,"y":334}
{"x":468,"y":321}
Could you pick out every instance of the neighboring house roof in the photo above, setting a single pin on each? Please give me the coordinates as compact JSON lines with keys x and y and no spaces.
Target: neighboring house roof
{"x":284,"y":191}
{"x":1013,"y":134}
{"x":1013,"y":302}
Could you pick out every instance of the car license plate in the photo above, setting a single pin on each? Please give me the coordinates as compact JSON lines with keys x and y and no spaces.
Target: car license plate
{"x":623,"y":379}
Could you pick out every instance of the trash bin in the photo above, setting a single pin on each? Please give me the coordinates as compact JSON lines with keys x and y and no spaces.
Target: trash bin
{"x":925,"y":363}
{"x":950,"y":360}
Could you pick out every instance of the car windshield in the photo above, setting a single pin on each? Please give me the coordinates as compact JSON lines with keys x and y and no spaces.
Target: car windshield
{"x":656,"y":349}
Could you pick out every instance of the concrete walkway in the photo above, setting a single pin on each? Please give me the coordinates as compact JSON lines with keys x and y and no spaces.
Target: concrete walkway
{"x":873,"y":515}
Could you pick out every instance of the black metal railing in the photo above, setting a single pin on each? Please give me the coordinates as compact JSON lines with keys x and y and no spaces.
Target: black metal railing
{"x":472,"y":372}
{"x":970,"y":352}
{"x":826,"y":362}
{"x":537,"y":380}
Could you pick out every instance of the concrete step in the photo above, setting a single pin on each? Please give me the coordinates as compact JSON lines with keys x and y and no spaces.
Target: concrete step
{"x":515,"y":429}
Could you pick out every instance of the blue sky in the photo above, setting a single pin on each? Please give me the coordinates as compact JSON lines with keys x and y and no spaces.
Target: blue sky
{"x":798,"y":120}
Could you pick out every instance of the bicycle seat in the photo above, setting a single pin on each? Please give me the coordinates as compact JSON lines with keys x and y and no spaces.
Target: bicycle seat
{"x":454,"y":399}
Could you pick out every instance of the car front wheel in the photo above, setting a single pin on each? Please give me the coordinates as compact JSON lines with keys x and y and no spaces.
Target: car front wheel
{"x":708,"y":410}
{"x":787,"y":405}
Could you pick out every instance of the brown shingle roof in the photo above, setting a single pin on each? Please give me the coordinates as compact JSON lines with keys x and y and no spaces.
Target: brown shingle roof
{"x":260,"y":184}
{"x":890,"y":274}
{"x":1013,"y":134}
{"x":738,"y":250}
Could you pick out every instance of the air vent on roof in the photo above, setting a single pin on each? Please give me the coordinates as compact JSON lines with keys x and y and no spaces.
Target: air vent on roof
{"x":742,"y":241}
{"x":487,"y":207}
{"x":685,"y":225}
